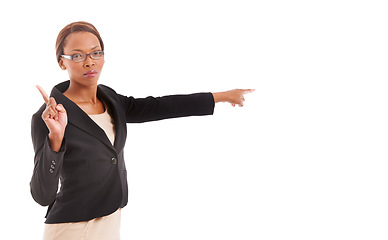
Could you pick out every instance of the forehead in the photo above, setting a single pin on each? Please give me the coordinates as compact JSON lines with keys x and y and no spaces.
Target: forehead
{"x":83,"y":41}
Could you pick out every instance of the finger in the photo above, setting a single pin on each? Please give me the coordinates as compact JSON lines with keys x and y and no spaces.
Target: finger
{"x":44,"y":94}
{"x":49,"y":113}
{"x":245,"y":91}
{"x":52,"y":103}
{"x":51,"y":110}
{"x":45,"y":115}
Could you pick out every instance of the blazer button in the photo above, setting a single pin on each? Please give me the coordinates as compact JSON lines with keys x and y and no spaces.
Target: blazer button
{"x":114,"y":161}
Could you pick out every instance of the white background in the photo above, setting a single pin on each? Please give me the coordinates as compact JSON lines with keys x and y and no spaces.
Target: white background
{"x":305,"y":158}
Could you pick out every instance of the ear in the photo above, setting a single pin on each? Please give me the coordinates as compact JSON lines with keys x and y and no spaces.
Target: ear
{"x":61,"y":65}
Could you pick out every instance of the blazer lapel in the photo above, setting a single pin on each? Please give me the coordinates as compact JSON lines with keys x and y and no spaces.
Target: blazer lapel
{"x":120,"y":123}
{"x":76,"y":116}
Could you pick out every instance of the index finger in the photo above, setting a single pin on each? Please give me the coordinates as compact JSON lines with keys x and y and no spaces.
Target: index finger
{"x":248,"y":90}
{"x":44,"y":94}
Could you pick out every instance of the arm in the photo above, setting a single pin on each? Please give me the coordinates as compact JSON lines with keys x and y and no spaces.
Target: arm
{"x":158,"y":108}
{"x":47,"y":130}
{"x":47,"y":163}
{"x":139,"y":110}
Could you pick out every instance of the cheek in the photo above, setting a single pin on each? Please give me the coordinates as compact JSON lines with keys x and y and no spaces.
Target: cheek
{"x":73,"y":68}
{"x":101,"y":62}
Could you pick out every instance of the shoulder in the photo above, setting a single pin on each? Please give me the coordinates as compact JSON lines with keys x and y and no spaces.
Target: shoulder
{"x":106,"y":89}
{"x":113,"y":95}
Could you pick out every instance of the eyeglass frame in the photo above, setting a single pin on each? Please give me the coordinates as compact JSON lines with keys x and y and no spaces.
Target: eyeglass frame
{"x":70,"y":57}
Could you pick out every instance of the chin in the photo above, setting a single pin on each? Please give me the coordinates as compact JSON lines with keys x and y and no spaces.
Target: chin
{"x":86,"y":82}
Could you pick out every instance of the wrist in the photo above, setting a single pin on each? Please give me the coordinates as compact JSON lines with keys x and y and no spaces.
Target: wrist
{"x":220,"y":97}
{"x":56,"y":136}
{"x":55,"y":141}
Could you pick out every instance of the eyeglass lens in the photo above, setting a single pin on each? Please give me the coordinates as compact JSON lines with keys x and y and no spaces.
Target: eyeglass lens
{"x":82,"y":56}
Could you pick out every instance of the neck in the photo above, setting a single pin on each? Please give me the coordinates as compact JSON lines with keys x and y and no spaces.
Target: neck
{"x":81,"y":93}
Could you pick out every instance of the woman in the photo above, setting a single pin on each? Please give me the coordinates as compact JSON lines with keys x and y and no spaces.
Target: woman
{"x":79,"y":136}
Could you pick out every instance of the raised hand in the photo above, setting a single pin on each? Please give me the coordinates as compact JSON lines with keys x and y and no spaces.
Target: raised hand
{"x":55,"y":117}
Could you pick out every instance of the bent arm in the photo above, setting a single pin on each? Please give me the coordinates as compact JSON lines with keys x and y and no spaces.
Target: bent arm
{"x":47,"y":164}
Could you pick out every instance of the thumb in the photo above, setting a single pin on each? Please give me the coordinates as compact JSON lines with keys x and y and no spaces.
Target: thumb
{"x":60,"y":108}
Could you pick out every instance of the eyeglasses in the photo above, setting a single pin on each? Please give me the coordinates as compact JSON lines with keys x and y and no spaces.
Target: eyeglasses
{"x":79,"y":57}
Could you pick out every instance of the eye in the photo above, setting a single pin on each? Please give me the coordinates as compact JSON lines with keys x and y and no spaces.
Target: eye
{"x":77,"y":56}
{"x":97,"y":54}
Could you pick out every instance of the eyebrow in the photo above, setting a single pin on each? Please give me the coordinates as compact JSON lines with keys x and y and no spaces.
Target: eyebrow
{"x":79,"y":50}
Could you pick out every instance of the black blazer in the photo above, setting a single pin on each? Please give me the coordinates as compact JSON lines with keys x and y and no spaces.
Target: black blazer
{"x":92,"y":171}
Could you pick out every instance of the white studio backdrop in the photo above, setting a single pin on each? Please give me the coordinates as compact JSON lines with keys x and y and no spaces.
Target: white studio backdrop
{"x":305,"y":158}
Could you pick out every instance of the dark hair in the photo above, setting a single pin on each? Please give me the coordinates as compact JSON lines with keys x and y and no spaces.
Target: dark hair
{"x":74,"y":27}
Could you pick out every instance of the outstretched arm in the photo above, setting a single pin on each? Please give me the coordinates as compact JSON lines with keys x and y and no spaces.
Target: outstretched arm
{"x":233,"y":97}
{"x":138,"y":110}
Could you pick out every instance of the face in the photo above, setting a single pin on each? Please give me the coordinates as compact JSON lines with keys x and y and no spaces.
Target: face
{"x":87,"y":72}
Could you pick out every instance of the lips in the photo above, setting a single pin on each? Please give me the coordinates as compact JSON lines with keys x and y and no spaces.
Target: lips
{"x":90,"y":74}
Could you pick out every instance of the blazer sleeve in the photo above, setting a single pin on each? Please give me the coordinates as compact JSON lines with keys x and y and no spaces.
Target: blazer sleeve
{"x":47,"y":163}
{"x":139,"y":110}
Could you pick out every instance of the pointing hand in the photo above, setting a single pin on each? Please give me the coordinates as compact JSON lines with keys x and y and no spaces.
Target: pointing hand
{"x":55,"y":117}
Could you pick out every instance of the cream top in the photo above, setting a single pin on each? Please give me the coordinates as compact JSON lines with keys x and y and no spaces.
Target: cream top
{"x":105,"y":121}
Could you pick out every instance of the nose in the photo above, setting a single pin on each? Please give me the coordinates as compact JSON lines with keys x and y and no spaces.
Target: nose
{"x":89,"y":62}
